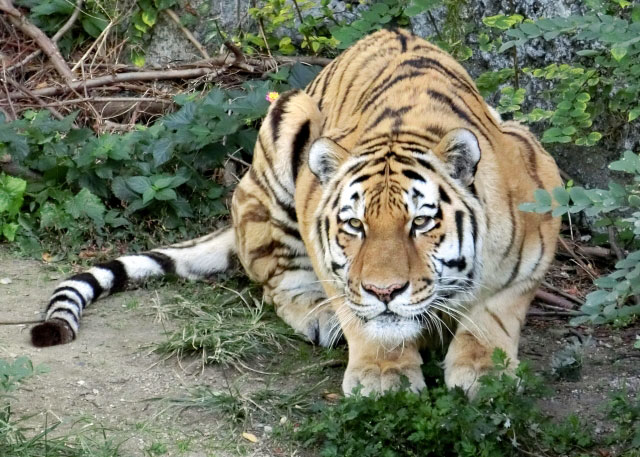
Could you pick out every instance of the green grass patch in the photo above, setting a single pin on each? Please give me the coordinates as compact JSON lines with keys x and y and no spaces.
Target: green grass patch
{"x":224,"y":323}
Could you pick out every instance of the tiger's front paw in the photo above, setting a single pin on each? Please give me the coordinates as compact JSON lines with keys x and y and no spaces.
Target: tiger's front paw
{"x":466,"y":376}
{"x":378,"y":378}
{"x":319,"y":327}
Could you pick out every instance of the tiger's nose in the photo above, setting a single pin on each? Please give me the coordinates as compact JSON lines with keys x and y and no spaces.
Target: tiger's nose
{"x":385,"y":294}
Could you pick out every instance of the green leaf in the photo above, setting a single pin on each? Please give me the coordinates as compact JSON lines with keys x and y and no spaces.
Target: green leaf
{"x":160,"y":182}
{"x":139,"y":184}
{"x":166,"y":194}
{"x":162,"y":151}
{"x":542,"y":196}
{"x":148,"y":195}
{"x":86,"y":204}
{"x":579,"y":196}
{"x":9,"y":231}
{"x":149,"y":16}
{"x":561,"y":195}
{"x":619,"y":51}
{"x":634,"y":114}
{"x":137,"y":58}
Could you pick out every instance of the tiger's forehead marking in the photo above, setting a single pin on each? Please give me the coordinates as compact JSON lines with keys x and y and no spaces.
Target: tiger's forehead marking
{"x":390,"y":184}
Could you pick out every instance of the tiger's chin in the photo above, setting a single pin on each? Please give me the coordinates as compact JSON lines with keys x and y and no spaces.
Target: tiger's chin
{"x":392,"y":330}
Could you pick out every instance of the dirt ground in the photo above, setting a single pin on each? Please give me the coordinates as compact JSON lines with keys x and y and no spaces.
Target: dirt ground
{"x":110,"y":375}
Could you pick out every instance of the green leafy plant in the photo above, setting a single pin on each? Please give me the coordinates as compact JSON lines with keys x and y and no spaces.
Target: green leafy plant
{"x":92,"y":184}
{"x":11,"y":197}
{"x":619,"y":207}
{"x":274,"y":15}
{"x":503,"y":420}
{"x":603,"y":79}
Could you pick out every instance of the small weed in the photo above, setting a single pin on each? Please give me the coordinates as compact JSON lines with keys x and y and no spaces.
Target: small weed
{"x":132,"y":304}
{"x":567,"y":362}
{"x":157,"y":448}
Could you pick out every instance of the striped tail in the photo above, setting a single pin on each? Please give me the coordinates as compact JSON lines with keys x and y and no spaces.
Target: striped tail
{"x":196,"y":259}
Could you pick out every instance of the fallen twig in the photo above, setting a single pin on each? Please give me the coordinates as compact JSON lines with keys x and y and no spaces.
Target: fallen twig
{"x":13,"y":169}
{"x":538,"y":313}
{"x":48,"y":47}
{"x":187,"y":33}
{"x":123,"y":77}
{"x":588,"y":269}
{"x":6,"y":91}
{"x":326,"y":363}
{"x":37,"y":99}
{"x":559,"y":291}
{"x":553,"y":299}
{"x":64,"y":29}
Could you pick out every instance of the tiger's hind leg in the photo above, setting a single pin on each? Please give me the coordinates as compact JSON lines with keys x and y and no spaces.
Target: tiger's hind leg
{"x":272,"y":253}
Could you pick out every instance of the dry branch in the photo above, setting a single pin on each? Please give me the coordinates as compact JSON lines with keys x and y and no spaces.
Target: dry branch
{"x":174,"y":17}
{"x":48,"y":47}
{"x":553,"y":299}
{"x":13,"y":169}
{"x":124,"y":77}
{"x":59,"y":34}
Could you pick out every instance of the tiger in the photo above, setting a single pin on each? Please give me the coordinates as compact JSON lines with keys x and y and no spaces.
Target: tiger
{"x":381,"y":205}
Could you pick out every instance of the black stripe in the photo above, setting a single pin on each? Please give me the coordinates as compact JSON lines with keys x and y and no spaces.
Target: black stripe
{"x":516,"y":269}
{"x":413,"y":175}
{"x":62,"y":297}
{"x":327,"y":81}
{"x":423,"y":62}
{"x":119,"y":272}
{"x":291,"y":212}
{"x":361,"y":178}
{"x":163,"y":260}
{"x":389,"y":113}
{"x":91,"y":281}
{"x":403,"y":42}
{"x":277,"y":111}
{"x":74,"y":291}
{"x":458,"y":216}
{"x":513,"y":226}
{"x":270,"y":168}
{"x":381,"y":89}
{"x":70,"y":313}
{"x":446,"y":100}
{"x":299,"y":142}
{"x":425,"y":164}
{"x":444,"y":196}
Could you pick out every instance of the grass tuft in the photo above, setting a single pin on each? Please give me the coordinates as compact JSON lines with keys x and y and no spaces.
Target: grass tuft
{"x":224,"y":324}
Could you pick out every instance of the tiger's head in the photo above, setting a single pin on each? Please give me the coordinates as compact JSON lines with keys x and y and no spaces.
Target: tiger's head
{"x":399,"y":230}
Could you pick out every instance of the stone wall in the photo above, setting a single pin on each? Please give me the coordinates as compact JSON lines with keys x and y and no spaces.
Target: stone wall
{"x":587,"y":166}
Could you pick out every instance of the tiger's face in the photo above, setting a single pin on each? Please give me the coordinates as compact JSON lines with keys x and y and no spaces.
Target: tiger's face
{"x":399,"y":231}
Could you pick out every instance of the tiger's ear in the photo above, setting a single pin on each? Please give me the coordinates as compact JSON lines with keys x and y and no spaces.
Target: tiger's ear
{"x":292,"y":124}
{"x":461,"y":152}
{"x":325,"y":156}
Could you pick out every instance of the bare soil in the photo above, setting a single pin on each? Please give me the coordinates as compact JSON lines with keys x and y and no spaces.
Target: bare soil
{"x":111,"y":376}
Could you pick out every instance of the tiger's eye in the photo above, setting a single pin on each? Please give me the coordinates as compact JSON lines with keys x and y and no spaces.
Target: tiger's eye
{"x":420,"y":222}
{"x":355,"y":223}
